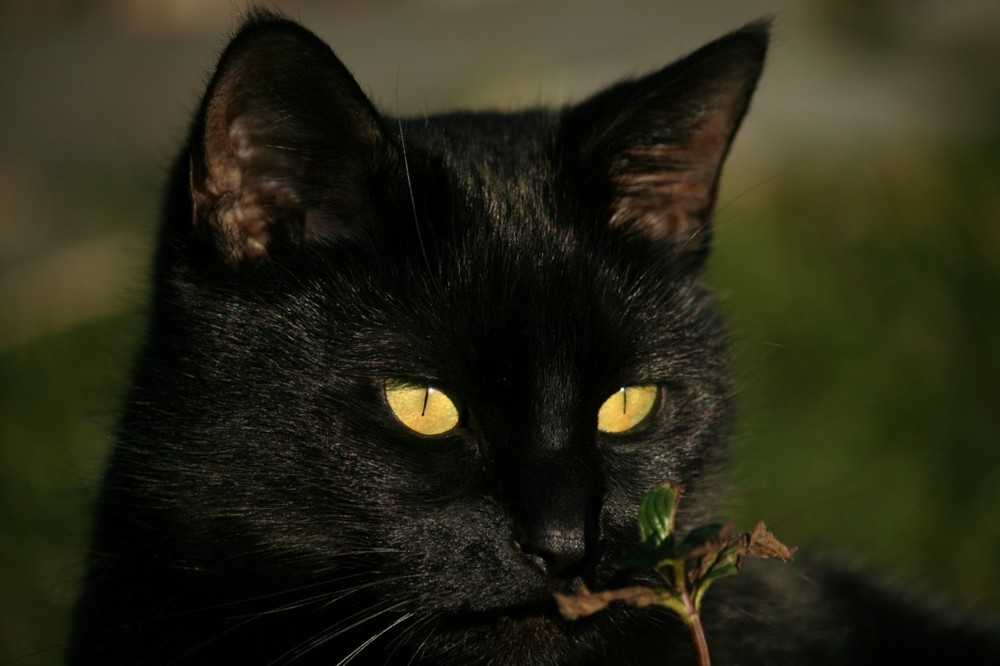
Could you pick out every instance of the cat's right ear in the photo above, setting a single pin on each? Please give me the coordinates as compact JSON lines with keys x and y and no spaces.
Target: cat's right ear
{"x":286,"y":145}
{"x":645,"y":155}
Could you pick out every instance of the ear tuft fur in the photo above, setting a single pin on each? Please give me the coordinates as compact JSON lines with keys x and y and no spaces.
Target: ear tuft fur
{"x":657,"y":144}
{"x":284,"y":146}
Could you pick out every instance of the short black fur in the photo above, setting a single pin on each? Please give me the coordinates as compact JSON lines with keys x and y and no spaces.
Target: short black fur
{"x":263,"y":505}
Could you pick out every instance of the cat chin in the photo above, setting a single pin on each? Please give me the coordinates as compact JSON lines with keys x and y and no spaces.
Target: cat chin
{"x":514,"y":626}
{"x":522,"y":635}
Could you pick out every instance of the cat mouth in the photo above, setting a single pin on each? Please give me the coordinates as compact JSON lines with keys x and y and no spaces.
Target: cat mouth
{"x":532,"y":627}
{"x":533,"y":617}
{"x":537,"y":605}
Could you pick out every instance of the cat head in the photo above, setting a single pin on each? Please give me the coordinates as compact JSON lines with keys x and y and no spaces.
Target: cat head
{"x":429,"y":366}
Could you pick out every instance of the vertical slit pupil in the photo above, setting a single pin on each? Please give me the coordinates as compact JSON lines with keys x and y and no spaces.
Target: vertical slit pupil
{"x":427,"y":396}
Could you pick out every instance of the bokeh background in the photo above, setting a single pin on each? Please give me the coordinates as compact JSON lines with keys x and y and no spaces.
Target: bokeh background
{"x":858,"y":248}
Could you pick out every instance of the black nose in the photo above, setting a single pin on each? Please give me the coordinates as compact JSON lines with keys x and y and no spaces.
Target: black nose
{"x":561,"y":549}
{"x":557,"y":514}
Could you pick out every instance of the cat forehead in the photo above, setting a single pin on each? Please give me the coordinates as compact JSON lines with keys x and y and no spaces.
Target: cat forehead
{"x":534,"y":287}
{"x":484,"y":136}
{"x":489,"y":184}
{"x":501,"y":318}
{"x":490,"y":153}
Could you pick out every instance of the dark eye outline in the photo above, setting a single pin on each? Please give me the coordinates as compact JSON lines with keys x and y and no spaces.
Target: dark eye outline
{"x":456,"y":404}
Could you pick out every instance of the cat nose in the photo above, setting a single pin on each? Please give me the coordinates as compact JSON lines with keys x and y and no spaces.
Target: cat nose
{"x":560,"y":549}
{"x":557,"y":510}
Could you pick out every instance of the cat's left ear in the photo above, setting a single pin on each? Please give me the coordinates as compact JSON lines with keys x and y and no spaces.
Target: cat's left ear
{"x":651,"y":150}
{"x":286,"y":148}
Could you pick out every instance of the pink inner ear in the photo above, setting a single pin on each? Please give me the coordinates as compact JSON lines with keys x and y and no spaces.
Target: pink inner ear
{"x":287,"y":136}
{"x":667,"y":191}
{"x":249,"y":182}
{"x":245,"y":226}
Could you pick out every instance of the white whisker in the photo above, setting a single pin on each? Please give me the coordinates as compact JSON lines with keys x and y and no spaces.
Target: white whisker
{"x":413,"y":199}
{"x":371,"y":640}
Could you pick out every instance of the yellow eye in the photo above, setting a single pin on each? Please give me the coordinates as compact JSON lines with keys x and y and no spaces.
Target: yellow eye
{"x":423,"y":409}
{"x":627,"y":408}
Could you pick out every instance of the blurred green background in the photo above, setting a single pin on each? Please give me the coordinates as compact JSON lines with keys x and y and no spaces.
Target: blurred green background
{"x":858,"y":248}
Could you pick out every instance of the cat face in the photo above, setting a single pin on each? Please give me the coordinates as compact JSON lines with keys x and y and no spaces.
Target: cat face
{"x":415,"y":375}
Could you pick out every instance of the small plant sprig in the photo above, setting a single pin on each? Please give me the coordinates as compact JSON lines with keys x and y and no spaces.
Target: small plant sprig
{"x":686,"y":567}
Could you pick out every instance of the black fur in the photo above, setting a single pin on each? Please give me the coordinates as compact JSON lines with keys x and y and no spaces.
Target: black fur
{"x":263,"y":505}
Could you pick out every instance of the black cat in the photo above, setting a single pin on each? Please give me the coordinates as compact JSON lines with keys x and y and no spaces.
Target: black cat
{"x":404,"y":379}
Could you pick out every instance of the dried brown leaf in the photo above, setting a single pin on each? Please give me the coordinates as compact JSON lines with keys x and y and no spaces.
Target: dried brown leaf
{"x":764,"y":544}
{"x":585,"y":602}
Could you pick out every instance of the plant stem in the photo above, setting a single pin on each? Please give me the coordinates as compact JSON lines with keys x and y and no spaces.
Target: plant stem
{"x":693,"y":621}
{"x":698,"y":637}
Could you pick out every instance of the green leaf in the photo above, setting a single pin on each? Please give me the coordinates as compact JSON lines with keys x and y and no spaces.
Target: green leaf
{"x":706,"y":537}
{"x":702,"y":546}
{"x":642,"y":557}
{"x":722,"y":568}
{"x":657,"y":513}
